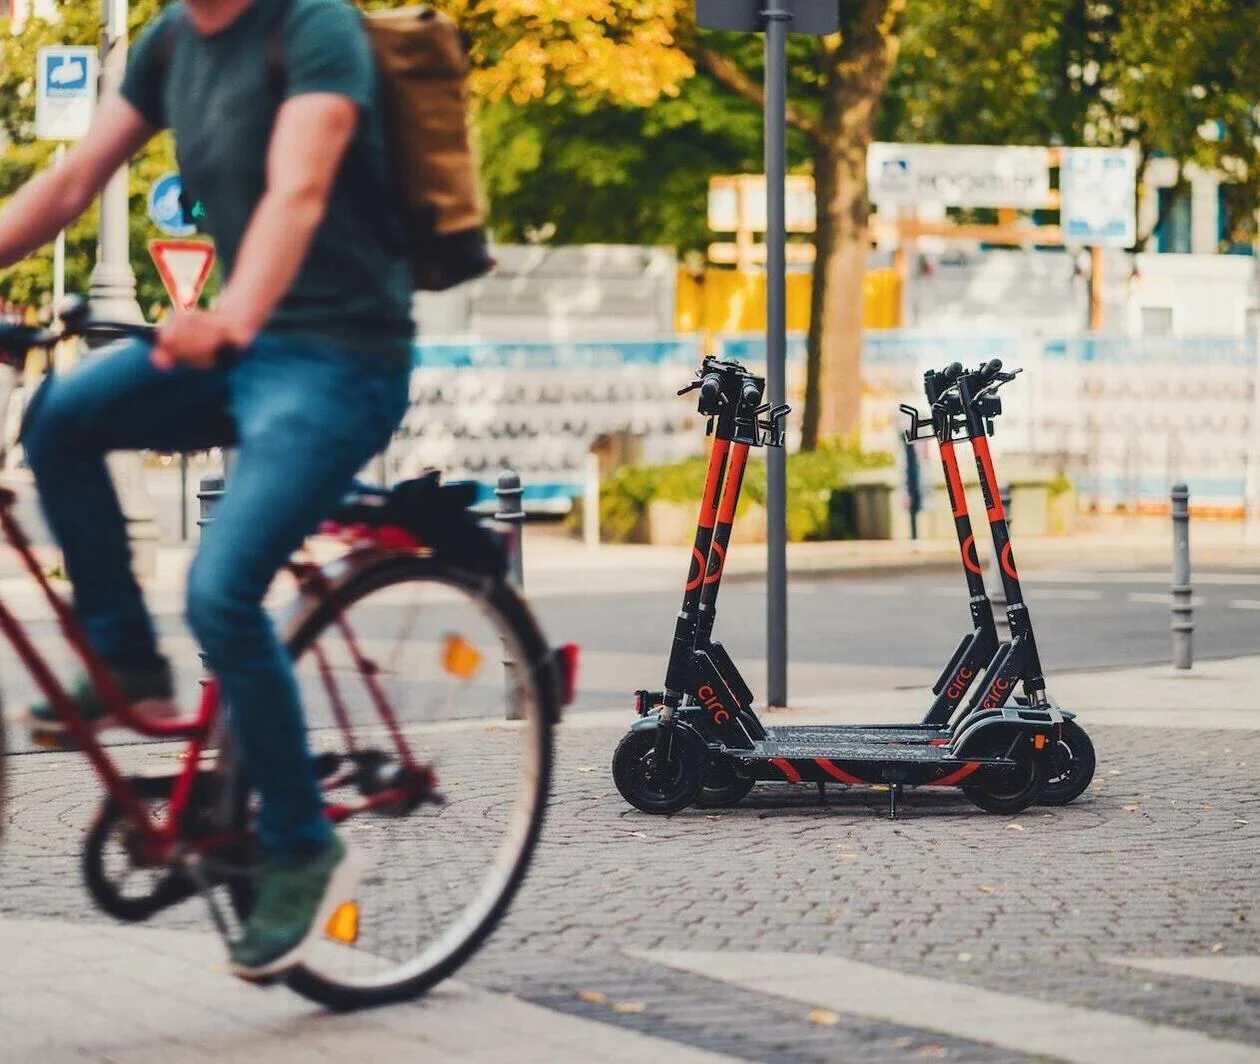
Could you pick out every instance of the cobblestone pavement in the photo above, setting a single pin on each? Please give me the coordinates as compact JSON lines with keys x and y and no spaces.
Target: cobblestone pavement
{"x":1160,"y":859}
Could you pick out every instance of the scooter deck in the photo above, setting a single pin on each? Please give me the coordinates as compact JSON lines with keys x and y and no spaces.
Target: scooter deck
{"x":923,"y":734}
{"x":802,"y":761}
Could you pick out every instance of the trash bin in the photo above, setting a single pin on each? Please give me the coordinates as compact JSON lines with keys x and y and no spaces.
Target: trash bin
{"x":872,"y":493}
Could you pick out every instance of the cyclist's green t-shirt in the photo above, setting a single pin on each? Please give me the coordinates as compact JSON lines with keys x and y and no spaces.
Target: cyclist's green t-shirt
{"x":219,"y":99}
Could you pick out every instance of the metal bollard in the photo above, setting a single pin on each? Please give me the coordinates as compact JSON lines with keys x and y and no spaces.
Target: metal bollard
{"x":998,"y":598}
{"x":211,"y":490}
{"x":512,"y":513}
{"x":1182,"y":601}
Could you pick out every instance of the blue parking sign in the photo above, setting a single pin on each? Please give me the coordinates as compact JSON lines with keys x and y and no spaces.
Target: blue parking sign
{"x":65,"y":98}
{"x":166,"y":210}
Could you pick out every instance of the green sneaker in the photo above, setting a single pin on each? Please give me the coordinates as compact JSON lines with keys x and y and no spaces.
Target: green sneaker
{"x":293,"y":905}
{"x":151,"y":691}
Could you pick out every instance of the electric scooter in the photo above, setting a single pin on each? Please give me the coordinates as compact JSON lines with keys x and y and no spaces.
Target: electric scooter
{"x":997,"y":754}
{"x":722,"y":785}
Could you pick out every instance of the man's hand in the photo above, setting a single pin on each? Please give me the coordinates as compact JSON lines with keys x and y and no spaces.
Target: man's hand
{"x":195,"y":338}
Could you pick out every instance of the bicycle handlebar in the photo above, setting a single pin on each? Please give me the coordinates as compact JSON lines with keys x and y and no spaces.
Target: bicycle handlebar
{"x":17,"y":340}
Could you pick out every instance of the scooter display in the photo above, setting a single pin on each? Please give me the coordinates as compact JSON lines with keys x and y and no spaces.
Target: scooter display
{"x":700,"y":739}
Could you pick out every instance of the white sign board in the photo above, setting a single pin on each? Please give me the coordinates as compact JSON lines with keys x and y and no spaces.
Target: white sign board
{"x":65,"y":98}
{"x":725,"y":209}
{"x":958,"y":175}
{"x":1099,"y":187}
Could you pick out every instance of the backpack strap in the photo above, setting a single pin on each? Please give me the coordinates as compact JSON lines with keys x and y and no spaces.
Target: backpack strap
{"x":277,"y":75}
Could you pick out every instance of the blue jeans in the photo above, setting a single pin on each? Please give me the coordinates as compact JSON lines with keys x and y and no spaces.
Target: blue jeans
{"x":306,"y":417}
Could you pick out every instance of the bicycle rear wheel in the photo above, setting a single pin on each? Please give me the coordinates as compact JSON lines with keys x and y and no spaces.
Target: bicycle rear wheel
{"x":4,"y":770}
{"x":451,"y":656}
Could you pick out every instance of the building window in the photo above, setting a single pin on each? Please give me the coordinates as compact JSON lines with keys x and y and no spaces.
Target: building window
{"x":1175,"y":234}
{"x":6,"y":8}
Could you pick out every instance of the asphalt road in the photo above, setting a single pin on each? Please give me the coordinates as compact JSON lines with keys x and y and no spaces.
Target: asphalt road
{"x":1082,"y":620}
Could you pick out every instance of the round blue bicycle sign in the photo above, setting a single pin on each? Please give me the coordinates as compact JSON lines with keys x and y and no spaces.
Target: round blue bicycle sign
{"x":165,"y":209}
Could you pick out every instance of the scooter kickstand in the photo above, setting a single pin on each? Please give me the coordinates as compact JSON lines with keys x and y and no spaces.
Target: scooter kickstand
{"x":822,"y":792}
{"x":893,"y":790}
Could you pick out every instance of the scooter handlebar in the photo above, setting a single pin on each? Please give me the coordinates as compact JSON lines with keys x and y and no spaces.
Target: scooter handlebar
{"x":710,"y":391}
{"x":750,"y":394}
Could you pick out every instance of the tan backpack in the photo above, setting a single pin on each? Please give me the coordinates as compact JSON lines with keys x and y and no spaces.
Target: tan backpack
{"x":422,"y":60}
{"x":422,"y":57}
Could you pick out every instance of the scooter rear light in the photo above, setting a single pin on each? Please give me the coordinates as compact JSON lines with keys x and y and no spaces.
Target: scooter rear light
{"x":568,"y":658}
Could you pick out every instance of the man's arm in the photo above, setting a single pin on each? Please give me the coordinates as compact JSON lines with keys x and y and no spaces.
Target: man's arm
{"x":310,"y":138}
{"x":48,"y":203}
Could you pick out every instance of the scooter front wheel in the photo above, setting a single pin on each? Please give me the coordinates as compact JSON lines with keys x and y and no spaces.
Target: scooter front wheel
{"x":1073,"y":766}
{"x":656,"y":784}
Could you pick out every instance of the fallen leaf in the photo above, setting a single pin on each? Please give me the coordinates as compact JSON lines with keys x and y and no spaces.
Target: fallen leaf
{"x":932,"y":1051}
{"x":823,"y":1018}
{"x":629,"y":1007}
{"x":1014,"y":827}
{"x":1218,"y":947}
{"x":963,"y":958}
{"x":591,"y":997}
{"x":587,"y":768}
{"x":1208,"y":807}
{"x":1132,"y":807}
{"x":987,"y":890}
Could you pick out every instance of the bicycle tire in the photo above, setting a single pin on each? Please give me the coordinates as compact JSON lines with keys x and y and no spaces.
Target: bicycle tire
{"x":517,"y":621}
{"x":4,"y":771}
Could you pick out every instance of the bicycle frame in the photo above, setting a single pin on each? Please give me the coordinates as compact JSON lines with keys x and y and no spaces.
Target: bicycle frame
{"x":160,"y":842}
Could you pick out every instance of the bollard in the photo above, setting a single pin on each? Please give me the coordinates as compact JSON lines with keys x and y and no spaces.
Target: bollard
{"x":998,"y":597}
{"x":208,"y":496}
{"x":1182,"y":603}
{"x":590,"y":502}
{"x":512,"y":513}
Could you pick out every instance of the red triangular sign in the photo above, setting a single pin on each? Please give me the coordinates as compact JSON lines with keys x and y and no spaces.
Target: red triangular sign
{"x":184,"y":266}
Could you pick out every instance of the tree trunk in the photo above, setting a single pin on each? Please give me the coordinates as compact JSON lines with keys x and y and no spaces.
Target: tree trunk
{"x":833,"y":384}
{"x":857,"y":69}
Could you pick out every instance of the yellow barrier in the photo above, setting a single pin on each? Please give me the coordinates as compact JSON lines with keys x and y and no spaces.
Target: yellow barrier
{"x":720,"y":300}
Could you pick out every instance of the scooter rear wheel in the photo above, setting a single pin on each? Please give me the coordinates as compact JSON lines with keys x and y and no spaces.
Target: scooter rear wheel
{"x":722,"y":787}
{"x":1075,"y":764}
{"x":660,"y":788}
{"x":1012,"y":791}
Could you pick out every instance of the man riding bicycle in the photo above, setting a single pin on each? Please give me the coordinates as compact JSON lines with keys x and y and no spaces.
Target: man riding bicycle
{"x":316,"y":315}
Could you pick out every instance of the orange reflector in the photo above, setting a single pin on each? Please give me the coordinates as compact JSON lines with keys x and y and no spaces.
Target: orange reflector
{"x":343,"y":925}
{"x":460,"y":658}
{"x":1039,"y":741}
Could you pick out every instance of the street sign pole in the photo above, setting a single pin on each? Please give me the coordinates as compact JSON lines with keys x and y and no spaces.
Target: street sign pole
{"x":59,"y":254}
{"x":775,"y":18}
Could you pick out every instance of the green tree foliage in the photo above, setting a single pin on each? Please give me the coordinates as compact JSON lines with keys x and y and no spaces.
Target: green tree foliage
{"x":29,"y":283}
{"x":1175,"y":78}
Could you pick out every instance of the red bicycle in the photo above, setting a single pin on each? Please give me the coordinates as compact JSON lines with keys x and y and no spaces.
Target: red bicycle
{"x":430,"y":694}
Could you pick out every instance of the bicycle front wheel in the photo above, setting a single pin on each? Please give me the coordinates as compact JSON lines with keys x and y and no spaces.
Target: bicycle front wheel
{"x":418,"y":672}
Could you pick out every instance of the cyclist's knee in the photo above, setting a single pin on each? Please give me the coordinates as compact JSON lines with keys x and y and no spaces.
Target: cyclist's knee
{"x":217,"y":613}
{"x":46,"y":431}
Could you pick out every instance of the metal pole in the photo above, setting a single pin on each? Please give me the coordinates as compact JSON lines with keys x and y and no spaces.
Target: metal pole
{"x":113,"y":282}
{"x":113,"y":291}
{"x":1182,"y":601}
{"x":59,"y":256}
{"x":998,"y":598}
{"x":512,"y":513}
{"x":183,"y":497}
{"x":590,"y":502}
{"x":777,"y":19}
